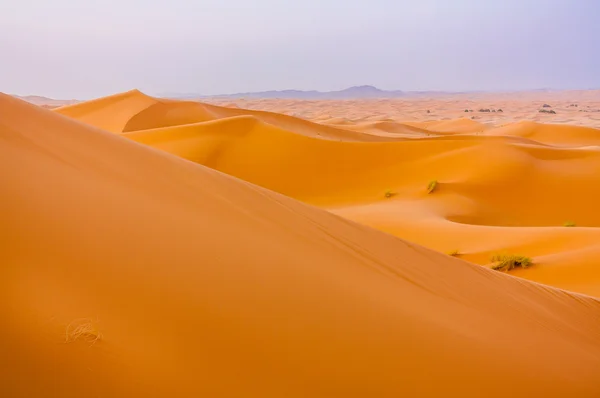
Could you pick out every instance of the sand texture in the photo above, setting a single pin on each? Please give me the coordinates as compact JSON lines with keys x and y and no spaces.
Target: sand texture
{"x":162,"y":248}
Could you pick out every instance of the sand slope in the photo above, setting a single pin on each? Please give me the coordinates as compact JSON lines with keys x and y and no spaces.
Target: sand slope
{"x":507,"y":189}
{"x":193,"y":283}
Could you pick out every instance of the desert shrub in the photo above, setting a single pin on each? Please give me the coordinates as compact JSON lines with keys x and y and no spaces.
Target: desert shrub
{"x":547,"y":111}
{"x":546,"y":106}
{"x":432,"y":186}
{"x":500,"y":110}
{"x":389,"y":193}
{"x":569,"y":224}
{"x":506,"y":262}
{"x":453,"y":253}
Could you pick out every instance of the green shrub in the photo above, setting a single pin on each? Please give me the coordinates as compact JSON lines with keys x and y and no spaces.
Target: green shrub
{"x":506,"y":262}
{"x":432,"y":186}
{"x":389,"y":193}
{"x":569,"y":224}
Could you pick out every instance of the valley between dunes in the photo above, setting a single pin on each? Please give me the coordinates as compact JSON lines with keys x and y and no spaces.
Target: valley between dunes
{"x":164,"y":248}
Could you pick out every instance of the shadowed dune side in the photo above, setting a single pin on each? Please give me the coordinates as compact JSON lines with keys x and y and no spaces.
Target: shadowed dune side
{"x":200,"y":142}
{"x":196,"y":283}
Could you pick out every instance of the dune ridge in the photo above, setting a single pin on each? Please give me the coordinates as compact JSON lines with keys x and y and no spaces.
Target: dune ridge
{"x":202,"y":283}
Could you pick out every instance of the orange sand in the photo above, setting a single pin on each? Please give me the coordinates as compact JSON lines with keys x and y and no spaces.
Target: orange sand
{"x":128,"y":271}
{"x":500,"y":189}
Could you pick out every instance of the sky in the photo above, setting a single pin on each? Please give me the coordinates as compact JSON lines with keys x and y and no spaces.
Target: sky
{"x":71,"y":49}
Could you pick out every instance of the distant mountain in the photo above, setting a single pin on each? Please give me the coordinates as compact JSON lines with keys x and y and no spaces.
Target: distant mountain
{"x":356,"y":92}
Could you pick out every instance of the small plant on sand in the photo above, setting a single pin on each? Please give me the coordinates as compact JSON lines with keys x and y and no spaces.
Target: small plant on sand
{"x":84,"y":329}
{"x":389,"y":193}
{"x":432,"y":186}
{"x":569,"y":224}
{"x":506,"y":262}
{"x":453,"y":253}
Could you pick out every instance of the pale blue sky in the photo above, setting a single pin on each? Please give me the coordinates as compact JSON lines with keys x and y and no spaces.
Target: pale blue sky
{"x":84,"y":49}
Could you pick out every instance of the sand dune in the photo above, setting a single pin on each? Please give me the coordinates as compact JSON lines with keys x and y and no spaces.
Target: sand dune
{"x":500,"y":189}
{"x":134,"y":111}
{"x":571,"y":107}
{"x":558,"y":135}
{"x":132,"y":272}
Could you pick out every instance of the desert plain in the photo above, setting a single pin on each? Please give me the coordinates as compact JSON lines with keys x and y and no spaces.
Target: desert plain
{"x":421,"y":247}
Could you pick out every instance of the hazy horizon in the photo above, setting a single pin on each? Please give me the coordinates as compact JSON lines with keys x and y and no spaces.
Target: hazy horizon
{"x":72,"y":50}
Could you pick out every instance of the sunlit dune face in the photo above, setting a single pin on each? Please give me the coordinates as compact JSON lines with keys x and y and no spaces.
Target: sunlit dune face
{"x":160,"y":248}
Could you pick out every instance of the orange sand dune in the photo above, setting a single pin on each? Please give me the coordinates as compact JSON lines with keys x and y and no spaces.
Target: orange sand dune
{"x":418,"y":129}
{"x":131,"y":272}
{"x":133,"y":111}
{"x":457,"y":126}
{"x":504,"y":189}
{"x":392,"y":129}
{"x":559,"y":135}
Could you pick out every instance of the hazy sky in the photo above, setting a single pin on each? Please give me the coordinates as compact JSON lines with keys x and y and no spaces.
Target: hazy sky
{"x":83,"y":49}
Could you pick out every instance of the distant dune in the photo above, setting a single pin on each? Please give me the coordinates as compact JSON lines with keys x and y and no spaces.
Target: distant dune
{"x":46,"y":102}
{"x":163,"y":248}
